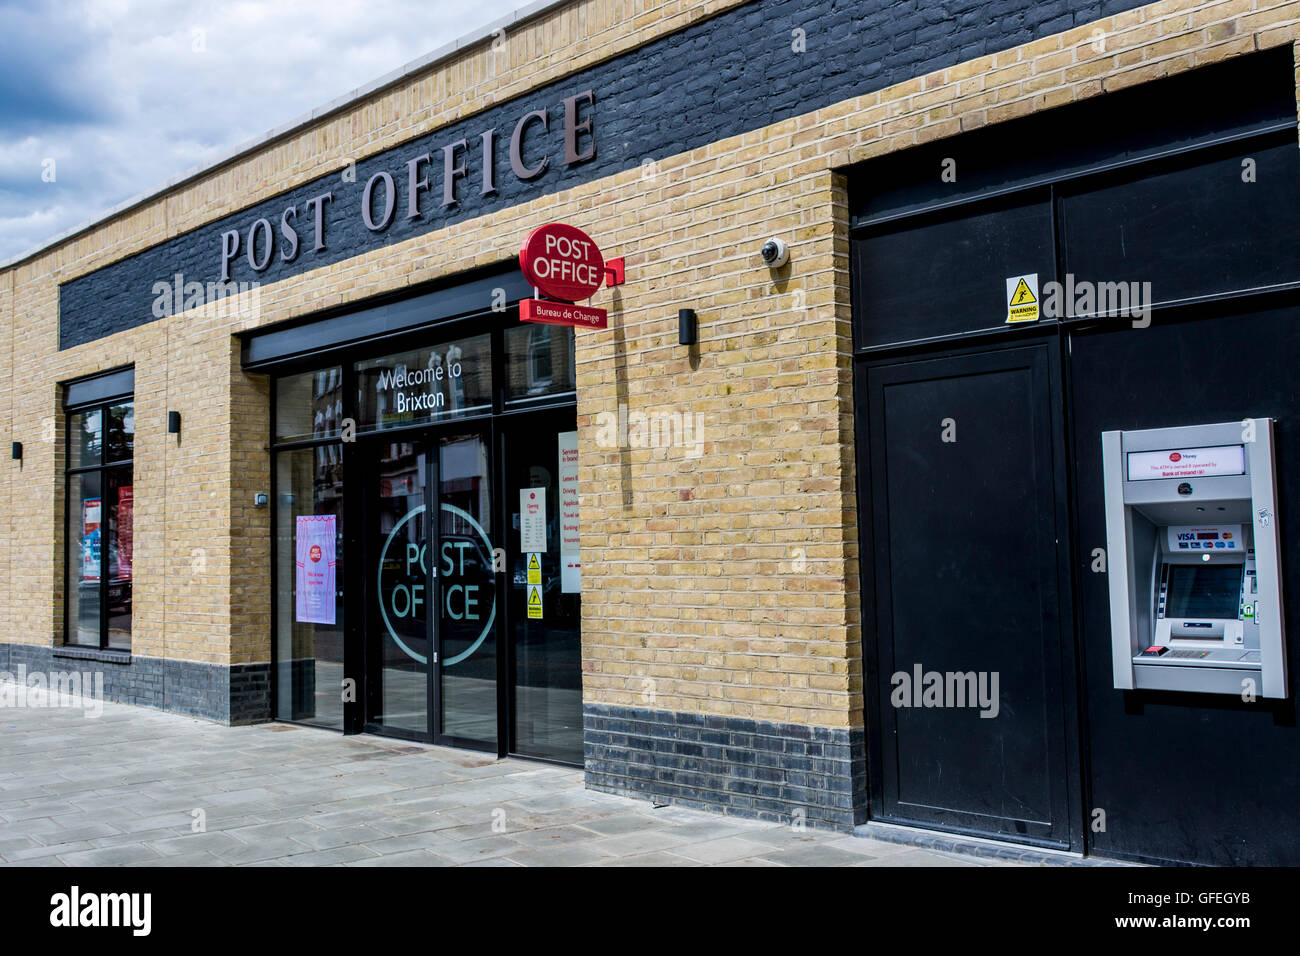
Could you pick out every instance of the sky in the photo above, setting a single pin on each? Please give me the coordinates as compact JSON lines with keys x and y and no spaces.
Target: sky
{"x":105,"y":99}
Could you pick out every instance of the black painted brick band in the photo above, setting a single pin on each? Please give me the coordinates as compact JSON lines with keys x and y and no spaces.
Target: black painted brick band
{"x":231,"y":695}
{"x":721,"y":77}
{"x":748,"y":768}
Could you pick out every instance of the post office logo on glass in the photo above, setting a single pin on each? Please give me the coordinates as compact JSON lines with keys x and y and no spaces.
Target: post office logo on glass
{"x":450,"y":380}
{"x":467,"y":585}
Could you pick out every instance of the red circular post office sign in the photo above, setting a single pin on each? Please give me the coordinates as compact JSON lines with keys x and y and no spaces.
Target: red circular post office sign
{"x":562,"y":262}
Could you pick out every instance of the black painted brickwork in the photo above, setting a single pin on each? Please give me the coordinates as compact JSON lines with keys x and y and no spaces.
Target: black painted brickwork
{"x":230,"y":695}
{"x":724,"y":76}
{"x":743,"y":767}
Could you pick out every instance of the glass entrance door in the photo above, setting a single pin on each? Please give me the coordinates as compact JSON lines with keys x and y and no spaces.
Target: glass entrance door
{"x":431,"y":652}
{"x":398,"y":625}
{"x":456,"y":621}
{"x":465,"y":674}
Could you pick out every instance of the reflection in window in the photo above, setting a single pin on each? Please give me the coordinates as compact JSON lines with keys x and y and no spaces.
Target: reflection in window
{"x":100,"y":526}
{"x":309,"y":405}
{"x":121,"y":432}
{"x":539,"y":361}
{"x":85,"y":437}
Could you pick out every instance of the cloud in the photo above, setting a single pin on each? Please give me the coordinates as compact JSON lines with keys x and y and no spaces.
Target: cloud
{"x":114,"y":97}
{"x":38,"y":91}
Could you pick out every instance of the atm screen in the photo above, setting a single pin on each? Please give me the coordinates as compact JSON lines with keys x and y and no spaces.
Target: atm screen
{"x":1204,"y":591}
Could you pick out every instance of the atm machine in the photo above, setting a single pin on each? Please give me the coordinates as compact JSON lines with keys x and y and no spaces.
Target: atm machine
{"x":1192,"y":559}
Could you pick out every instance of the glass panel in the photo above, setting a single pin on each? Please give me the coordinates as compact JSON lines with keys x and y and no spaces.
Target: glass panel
{"x":448,"y":380}
{"x":547,"y":645}
{"x":309,"y":582}
{"x":467,"y":590}
{"x":121,"y":432}
{"x":84,"y":564}
{"x":309,"y":405}
{"x":539,"y":361}
{"x":85,"y":438}
{"x":119,"y":507}
{"x":398,"y":696}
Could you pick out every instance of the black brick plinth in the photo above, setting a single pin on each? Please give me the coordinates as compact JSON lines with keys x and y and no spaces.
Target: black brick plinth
{"x":768,"y":771}
{"x":230,"y":695}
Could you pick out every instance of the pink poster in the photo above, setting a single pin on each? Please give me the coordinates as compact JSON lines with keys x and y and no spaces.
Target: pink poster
{"x":316,"y":564}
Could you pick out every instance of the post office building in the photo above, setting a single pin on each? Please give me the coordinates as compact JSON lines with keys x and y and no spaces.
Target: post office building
{"x":931,"y":462}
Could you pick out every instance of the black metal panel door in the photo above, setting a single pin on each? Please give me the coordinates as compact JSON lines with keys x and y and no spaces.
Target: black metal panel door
{"x":965,"y":502}
{"x":1193,"y":778}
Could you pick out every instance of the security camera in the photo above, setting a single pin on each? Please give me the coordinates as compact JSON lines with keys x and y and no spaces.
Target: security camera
{"x":775,"y":253}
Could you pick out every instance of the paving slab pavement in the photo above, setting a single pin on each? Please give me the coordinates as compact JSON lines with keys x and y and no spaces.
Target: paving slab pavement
{"x":139,"y":787}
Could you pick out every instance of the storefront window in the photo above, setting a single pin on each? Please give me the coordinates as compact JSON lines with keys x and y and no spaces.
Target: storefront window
{"x":445,"y":381}
{"x":100,"y":526}
{"x":539,"y":361}
{"x":309,"y":405}
{"x":85,"y":438}
{"x":309,"y":585}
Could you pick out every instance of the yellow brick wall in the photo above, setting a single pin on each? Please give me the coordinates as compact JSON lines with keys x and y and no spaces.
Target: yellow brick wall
{"x":729,"y":580}
{"x":8,"y":469}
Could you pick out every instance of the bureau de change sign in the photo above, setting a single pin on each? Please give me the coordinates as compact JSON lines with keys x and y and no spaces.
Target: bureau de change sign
{"x":564,"y":265}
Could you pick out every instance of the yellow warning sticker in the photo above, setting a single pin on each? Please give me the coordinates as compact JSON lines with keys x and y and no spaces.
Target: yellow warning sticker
{"x":535,"y":601}
{"x":534,"y":568}
{"x":1022,"y":298}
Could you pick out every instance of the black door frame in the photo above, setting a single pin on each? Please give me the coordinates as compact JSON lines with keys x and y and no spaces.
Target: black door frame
{"x":1052,"y":338}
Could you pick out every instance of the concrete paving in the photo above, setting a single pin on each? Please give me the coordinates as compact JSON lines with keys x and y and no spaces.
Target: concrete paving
{"x":137,"y":787}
